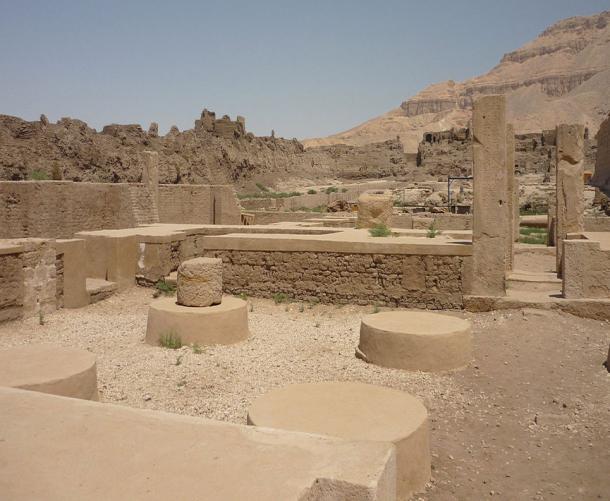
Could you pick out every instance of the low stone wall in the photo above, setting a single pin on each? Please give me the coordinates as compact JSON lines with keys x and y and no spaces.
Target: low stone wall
{"x":59,"y":209}
{"x":586,"y":266}
{"x":601,"y":223}
{"x":435,"y":282}
{"x":271,"y":217}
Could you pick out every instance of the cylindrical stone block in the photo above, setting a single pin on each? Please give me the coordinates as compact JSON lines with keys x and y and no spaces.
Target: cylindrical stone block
{"x":355,"y":411}
{"x":68,"y":372}
{"x":417,"y":341}
{"x":374,"y":208}
{"x":199,"y":282}
{"x":224,"y":323}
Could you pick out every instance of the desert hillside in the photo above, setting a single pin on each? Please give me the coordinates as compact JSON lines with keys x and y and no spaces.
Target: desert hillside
{"x":561,"y":76}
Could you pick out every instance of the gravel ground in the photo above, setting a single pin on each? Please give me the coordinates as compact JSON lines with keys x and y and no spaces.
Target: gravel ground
{"x":535,"y":392}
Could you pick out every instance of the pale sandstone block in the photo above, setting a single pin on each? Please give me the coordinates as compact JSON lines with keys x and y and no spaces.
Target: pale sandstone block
{"x":200,"y":282}
{"x":570,"y":204}
{"x":491,"y":216}
{"x":374,"y":208}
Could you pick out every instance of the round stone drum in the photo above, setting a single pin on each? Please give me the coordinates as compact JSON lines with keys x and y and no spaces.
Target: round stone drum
{"x":67,"y":372}
{"x":415,"y":340}
{"x":355,"y":411}
{"x":224,"y":323}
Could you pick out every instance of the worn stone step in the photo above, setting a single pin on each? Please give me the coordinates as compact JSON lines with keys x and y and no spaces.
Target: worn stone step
{"x":99,"y":289}
{"x":533,"y":281}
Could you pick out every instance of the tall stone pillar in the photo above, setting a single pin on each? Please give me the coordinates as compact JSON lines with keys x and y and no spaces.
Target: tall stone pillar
{"x":510,"y":173}
{"x":150,"y":173}
{"x":491,"y":217}
{"x":570,"y":199}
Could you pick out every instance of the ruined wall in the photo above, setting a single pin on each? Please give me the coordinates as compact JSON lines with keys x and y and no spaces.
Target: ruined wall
{"x":29,"y":273}
{"x":186,"y":204}
{"x":434,"y":282}
{"x":215,"y":151}
{"x":450,"y":153}
{"x":59,"y":209}
{"x":56,"y":209}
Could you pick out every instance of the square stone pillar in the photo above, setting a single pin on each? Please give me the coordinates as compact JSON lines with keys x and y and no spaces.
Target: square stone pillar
{"x":510,"y":173}
{"x":150,"y":173}
{"x":492,"y":221}
{"x":570,"y":188}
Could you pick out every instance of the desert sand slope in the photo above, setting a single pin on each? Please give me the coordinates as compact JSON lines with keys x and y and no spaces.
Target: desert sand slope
{"x":561,"y":76}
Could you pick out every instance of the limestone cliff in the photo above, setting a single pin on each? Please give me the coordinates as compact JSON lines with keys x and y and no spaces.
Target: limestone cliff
{"x":561,"y":76}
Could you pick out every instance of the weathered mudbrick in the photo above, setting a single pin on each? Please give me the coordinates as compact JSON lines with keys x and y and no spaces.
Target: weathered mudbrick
{"x":433,"y":282}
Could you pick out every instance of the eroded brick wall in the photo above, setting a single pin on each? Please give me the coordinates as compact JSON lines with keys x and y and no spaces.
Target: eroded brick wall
{"x":434,"y":282}
{"x":58,"y":209}
{"x":11,"y":292}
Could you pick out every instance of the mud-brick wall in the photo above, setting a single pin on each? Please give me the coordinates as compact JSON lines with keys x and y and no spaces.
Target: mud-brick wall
{"x":11,"y":292}
{"x":418,"y":281}
{"x":198,"y":204}
{"x":58,"y":209}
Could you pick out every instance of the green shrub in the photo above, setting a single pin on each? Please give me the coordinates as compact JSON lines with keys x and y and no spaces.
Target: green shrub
{"x":380,"y":230}
{"x":262,"y":187}
{"x":331,"y":189}
{"x":39,"y":175}
{"x":343,"y":190}
{"x":432,"y":231}
{"x":170,"y":340}
{"x":164,"y":288}
{"x":311,"y":192}
{"x":280,"y":297}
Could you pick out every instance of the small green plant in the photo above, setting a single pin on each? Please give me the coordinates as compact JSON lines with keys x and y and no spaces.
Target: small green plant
{"x":243,"y":296}
{"x":280,"y":297}
{"x":432,"y":231}
{"x":311,"y":192}
{"x":331,"y":189}
{"x":197,"y":350}
{"x":380,"y":230}
{"x":343,"y":190}
{"x":178,"y":360}
{"x":39,"y":175}
{"x":164,"y":288}
{"x":40,"y":317}
{"x":170,"y":340}
{"x":262,"y":187}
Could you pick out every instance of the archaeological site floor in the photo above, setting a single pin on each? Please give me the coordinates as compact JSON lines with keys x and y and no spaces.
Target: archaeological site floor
{"x":528,"y":419}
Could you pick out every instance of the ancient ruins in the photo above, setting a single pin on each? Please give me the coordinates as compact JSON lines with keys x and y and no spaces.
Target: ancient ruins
{"x":190,"y":316}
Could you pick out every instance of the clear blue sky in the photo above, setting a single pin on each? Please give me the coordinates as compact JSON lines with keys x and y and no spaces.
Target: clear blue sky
{"x":303,"y":68}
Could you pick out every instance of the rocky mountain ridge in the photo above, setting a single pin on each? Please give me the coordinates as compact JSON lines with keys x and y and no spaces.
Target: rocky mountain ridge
{"x":561,"y":76}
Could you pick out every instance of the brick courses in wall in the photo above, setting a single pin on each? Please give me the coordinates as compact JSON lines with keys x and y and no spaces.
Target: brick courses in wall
{"x":417,"y":281}
{"x":59,"y":209}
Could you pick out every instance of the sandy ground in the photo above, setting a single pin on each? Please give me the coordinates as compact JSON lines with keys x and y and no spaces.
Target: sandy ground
{"x":528,"y":419}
